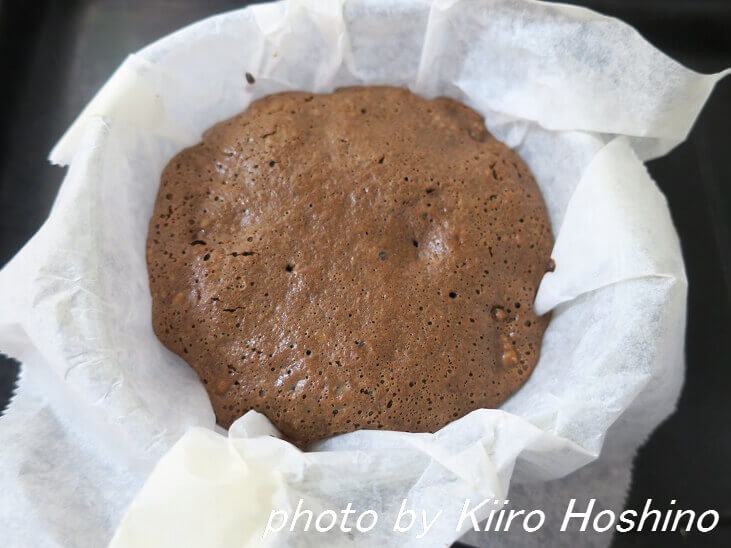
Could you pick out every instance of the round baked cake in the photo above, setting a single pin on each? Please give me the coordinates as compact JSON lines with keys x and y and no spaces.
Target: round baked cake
{"x":365,"y":259}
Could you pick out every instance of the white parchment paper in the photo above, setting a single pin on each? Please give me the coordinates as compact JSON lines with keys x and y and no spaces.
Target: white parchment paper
{"x":583,"y":99}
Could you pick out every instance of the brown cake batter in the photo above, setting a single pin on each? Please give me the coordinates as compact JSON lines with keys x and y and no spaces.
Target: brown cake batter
{"x":365,"y":259}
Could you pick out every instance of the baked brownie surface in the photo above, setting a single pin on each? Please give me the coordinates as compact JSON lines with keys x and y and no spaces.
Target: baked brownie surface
{"x":365,"y":259}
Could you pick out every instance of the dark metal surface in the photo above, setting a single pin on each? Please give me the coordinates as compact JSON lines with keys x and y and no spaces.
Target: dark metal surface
{"x":54,"y":55}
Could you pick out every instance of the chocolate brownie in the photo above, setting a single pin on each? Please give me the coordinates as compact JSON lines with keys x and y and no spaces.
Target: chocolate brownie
{"x":365,"y":259}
